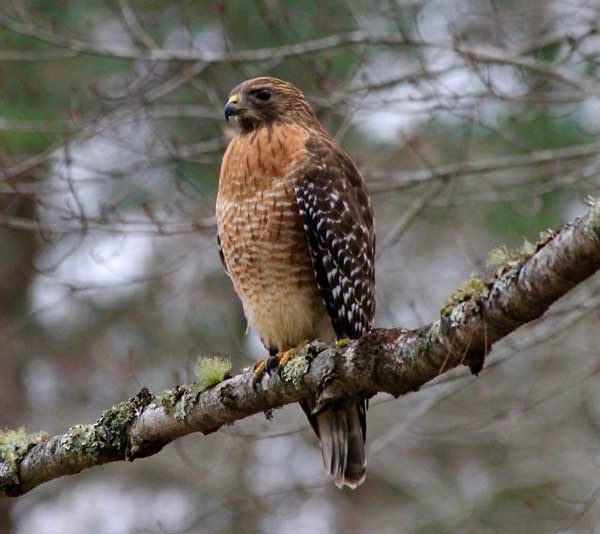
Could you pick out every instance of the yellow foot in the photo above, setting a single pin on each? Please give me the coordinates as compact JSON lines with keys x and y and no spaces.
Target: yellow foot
{"x":285,"y":357}
{"x":259,"y":370}
{"x":277,"y":362}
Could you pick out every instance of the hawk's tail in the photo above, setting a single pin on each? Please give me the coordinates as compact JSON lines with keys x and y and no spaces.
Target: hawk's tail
{"x":342,"y":433}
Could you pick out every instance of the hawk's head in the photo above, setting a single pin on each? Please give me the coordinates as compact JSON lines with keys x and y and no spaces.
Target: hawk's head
{"x":262,"y":101}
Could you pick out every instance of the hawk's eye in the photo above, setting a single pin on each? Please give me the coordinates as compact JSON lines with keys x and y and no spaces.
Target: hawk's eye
{"x":263,"y":94}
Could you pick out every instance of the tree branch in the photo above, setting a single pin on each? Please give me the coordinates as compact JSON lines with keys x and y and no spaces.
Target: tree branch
{"x":385,"y":181}
{"x":395,"y":361}
{"x":480,"y":54}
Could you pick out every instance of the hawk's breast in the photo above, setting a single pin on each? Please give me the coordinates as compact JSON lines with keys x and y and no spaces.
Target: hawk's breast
{"x":263,"y":238}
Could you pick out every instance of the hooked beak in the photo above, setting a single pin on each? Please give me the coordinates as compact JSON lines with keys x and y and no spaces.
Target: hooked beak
{"x":232,"y":108}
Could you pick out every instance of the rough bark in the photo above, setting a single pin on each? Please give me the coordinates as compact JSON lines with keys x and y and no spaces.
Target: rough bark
{"x":395,"y":361}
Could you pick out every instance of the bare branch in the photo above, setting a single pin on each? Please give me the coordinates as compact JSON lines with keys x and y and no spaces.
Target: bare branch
{"x":395,"y":361}
{"x":383,"y":181}
{"x":480,"y":54}
{"x":36,"y":55}
{"x":160,"y":54}
{"x":132,"y":227}
{"x":134,"y":26}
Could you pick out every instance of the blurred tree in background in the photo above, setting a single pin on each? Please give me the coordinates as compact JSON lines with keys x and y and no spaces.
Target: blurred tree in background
{"x":475,"y":123}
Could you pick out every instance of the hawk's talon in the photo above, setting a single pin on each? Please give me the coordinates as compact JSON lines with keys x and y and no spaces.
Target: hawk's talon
{"x":280,"y":373}
{"x":272,"y":363}
{"x":259,"y":371}
{"x":285,"y":357}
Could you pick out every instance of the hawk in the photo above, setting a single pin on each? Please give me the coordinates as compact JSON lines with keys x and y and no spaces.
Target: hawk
{"x":296,"y":234}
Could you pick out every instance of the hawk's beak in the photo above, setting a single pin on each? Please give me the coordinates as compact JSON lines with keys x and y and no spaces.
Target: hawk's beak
{"x":232,"y":108}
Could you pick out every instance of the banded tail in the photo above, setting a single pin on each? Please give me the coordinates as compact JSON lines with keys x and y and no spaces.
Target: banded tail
{"x":342,"y":433}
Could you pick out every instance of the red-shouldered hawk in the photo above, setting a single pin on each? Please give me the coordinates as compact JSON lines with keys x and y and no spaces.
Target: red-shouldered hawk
{"x":297,"y":237}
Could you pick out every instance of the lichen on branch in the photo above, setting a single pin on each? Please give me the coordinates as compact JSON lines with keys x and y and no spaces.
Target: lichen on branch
{"x":14,"y":445}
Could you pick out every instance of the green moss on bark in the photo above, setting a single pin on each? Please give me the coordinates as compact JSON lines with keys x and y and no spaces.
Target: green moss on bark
{"x":296,"y":368}
{"x":84,"y":440}
{"x":299,"y":364}
{"x":14,"y":445}
{"x":469,"y":293}
{"x":502,"y":257}
{"x":211,"y":371}
{"x":108,"y":435}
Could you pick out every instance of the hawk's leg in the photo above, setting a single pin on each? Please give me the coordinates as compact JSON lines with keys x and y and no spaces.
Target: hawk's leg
{"x":265,"y":364}
{"x":285,"y":357}
{"x":259,"y":370}
{"x":275,"y":362}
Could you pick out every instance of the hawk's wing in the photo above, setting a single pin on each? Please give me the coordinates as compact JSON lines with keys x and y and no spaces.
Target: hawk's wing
{"x":339,"y":224}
